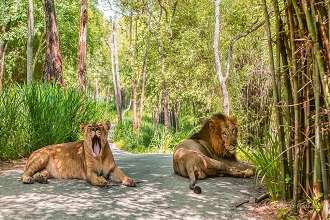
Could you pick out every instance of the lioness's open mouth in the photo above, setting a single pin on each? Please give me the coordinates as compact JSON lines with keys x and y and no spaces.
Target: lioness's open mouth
{"x":96,"y":145}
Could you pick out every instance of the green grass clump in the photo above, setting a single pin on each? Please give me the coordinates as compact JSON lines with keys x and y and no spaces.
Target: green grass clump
{"x":54,"y":114}
{"x":13,"y":124}
{"x":266,"y":159}
{"x":42,"y":114}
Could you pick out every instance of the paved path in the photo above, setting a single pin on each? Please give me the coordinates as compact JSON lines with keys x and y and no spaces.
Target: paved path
{"x":161,"y":195}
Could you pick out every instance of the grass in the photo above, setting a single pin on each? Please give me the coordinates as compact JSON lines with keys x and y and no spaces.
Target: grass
{"x":13,"y":124}
{"x":266,"y":159}
{"x":42,"y":114}
{"x":151,"y":138}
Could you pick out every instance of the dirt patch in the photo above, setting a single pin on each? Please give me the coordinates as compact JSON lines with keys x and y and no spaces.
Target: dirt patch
{"x":12,"y":164}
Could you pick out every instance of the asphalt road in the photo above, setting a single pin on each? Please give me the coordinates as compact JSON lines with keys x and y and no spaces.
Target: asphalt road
{"x":160,"y":195}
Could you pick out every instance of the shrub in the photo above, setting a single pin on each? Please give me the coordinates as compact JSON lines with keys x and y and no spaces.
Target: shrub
{"x":151,"y":137}
{"x":54,"y":114}
{"x":266,"y":159}
{"x":13,"y":124}
{"x":35,"y":116}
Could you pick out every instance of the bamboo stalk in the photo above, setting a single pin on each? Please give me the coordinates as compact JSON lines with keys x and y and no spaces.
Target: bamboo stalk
{"x":319,"y":72}
{"x":284,"y":163}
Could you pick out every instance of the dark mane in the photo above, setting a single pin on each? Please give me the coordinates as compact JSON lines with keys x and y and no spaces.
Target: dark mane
{"x":203,"y":133}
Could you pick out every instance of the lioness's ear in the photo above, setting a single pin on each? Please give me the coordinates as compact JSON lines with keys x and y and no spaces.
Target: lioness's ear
{"x":82,"y":127}
{"x":107,"y":125}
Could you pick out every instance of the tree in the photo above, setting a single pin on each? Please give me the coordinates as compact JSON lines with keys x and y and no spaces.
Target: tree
{"x":53,"y":60}
{"x":29,"y":45}
{"x":217,"y":59}
{"x":113,"y":42}
{"x":82,"y":47}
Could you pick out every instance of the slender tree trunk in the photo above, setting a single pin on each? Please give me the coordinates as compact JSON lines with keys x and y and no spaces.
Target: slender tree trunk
{"x":144,"y":79}
{"x":134,"y":80}
{"x":134,"y":104}
{"x":29,"y":49}
{"x":82,"y":47}
{"x":40,"y":48}
{"x":279,"y":120}
{"x":165,"y":95}
{"x":222,"y":79}
{"x":3,"y":47}
{"x":53,"y":60}
{"x":96,"y":96}
{"x":115,"y":71}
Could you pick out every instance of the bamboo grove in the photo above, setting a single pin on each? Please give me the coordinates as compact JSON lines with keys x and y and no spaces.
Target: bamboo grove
{"x":299,"y":59}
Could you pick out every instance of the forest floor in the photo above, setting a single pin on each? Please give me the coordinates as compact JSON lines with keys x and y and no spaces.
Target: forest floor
{"x":160,"y":195}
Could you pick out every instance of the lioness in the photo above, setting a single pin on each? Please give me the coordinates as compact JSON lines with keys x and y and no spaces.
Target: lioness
{"x":90,"y":159}
{"x":210,"y":152}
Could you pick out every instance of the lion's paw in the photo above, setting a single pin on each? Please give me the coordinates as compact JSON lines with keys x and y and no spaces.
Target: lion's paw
{"x":248,"y":173}
{"x":129,"y":182}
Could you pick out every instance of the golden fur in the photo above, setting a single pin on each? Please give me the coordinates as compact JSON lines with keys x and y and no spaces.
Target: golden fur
{"x":90,"y":160}
{"x":210,"y":152}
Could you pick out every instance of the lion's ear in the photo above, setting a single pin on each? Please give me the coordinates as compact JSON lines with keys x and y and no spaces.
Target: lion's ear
{"x":234,"y":120}
{"x":107,"y":125}
{"x":212,"y":123}
{"x":82,"y":127}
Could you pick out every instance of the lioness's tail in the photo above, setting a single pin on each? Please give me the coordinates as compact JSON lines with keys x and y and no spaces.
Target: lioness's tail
{"x":193,"y":181}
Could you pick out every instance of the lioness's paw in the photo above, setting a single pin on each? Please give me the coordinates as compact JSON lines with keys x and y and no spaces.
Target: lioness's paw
{"x":27,"y":179}
{"x":102,"y":182}
{"x":248,"y":173}
{"x":129,"y":182}
{"x":39,"y":178}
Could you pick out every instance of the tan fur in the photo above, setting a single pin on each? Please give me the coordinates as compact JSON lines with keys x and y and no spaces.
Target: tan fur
{"x":210,"y":152}
{"x":77,"y":160}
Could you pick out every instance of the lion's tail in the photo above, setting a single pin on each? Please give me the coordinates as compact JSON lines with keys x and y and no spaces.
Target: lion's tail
{"x":193,"y":181}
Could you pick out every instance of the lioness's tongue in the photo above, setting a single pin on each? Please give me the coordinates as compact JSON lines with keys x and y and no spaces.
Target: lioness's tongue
{"x":96,"y":148}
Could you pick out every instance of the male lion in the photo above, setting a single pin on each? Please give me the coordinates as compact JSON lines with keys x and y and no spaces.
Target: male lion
{"x":90,"y":159}
{"x":210,"y":152}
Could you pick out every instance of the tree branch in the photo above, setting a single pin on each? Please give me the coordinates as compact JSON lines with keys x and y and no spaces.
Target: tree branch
{"x":236,"y":38}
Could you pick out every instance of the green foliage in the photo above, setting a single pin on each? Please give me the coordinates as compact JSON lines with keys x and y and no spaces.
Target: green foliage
{"x":13,"y":124}
{"x":54,"y":114}
{"x":39,"y":115}
{"x":266,"y":159}
{"x":151,"y":137}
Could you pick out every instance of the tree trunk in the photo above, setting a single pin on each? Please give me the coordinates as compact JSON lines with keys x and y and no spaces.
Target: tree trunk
{"x":53,"y":59}
{"x":222,"y":79}
{"x":144,"y":79}
{"x":132,"y":58}
{"x":166,"y":98}
{"x":115,"y":71}
{"x":3,"y":47}
{"x":41,"y":46}
{"x":82,"y":47}
{"x":29,"y":49}
{"x":96,"y":94}
{"x":134,"y":104}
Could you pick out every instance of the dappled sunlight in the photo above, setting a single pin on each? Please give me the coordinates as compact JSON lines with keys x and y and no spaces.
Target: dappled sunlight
{"x":160,"y":195}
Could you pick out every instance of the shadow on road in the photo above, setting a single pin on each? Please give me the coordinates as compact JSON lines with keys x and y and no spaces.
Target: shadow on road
{"x":161,"y":195}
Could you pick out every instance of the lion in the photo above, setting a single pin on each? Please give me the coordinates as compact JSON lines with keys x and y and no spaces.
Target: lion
{"x":210,"y":152}
{"x":90,"y":160}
